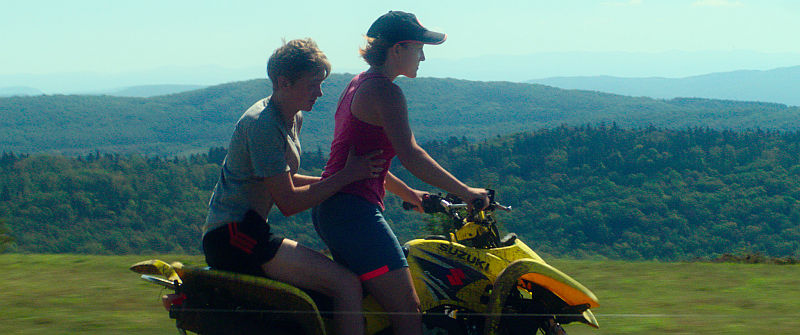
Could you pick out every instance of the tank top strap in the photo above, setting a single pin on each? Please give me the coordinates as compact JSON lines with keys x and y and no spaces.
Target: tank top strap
{"x":345,"y":102}
{"x":364,"y":76}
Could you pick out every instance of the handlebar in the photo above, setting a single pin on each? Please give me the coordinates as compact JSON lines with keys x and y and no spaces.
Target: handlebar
{"x":434,"y":203}
{"x":452,"y":206}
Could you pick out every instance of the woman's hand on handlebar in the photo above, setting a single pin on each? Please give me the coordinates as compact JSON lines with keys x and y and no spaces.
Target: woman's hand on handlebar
{"x":415,"y":198}
{"x":476,"y":197}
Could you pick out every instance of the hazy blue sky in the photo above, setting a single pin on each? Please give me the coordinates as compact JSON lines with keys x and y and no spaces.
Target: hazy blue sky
{"x":114,"y":36}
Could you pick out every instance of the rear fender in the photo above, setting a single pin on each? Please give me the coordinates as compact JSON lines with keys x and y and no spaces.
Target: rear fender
{"x":160,"y":268}
{"x":527,"y":272}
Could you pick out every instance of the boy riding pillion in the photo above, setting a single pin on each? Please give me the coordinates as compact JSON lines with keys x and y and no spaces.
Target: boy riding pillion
{"x":260,"y":170}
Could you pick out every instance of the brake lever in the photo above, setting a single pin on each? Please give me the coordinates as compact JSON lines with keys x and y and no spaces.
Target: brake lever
{"x":501,"y":207}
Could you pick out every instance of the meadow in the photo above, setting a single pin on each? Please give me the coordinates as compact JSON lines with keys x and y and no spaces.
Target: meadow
{"x":86,"y":294}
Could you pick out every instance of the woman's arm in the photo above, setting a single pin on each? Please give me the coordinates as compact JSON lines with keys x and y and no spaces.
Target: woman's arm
{"x":408,"y":194}
{"x":384,"y":103}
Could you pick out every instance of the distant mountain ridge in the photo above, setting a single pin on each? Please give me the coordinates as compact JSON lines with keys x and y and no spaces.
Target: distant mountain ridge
{"x":141,"y":91}
{"x":781,"y":85}
{"x":91,"y":82}
{"x":19,"y":91}
{"x":193,"y":121}
{"x":145,"y":91}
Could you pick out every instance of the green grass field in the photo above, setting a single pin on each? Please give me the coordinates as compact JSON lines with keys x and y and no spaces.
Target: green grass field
{"x":79,"y":294}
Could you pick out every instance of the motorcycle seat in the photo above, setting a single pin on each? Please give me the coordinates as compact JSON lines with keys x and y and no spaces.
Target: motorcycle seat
{"x":324,"y":303}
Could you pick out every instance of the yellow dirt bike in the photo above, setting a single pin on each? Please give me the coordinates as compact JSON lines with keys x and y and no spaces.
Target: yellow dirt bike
{"x":469,"y":282}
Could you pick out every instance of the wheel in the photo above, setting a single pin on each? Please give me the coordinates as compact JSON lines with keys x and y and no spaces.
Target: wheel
{"x":448,"y":320}
{"x":527,"y":316}
{"x":526,"y":324}
{"x":553,"y":328}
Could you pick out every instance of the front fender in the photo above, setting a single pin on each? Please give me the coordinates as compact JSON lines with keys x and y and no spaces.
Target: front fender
{"x":540,"y":273}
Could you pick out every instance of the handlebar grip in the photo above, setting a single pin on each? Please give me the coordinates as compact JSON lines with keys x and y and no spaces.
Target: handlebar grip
{"x":430,"y":204}
{"x":477,"y":203}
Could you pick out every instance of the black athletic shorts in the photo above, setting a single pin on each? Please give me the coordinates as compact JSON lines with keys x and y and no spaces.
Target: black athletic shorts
{"x":241,"y":246}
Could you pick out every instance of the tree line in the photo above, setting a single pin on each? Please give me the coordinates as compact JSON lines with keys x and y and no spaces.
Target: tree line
{"x":643,"y":193}
{"x":580,"y":191}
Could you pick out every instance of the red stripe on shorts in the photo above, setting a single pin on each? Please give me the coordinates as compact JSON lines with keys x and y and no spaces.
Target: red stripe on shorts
{"x":374,"y":273}
{"x":240,"y":240}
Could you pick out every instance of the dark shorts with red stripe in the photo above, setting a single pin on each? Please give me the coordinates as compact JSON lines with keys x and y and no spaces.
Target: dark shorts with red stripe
{"x":241,"y":246}
{"x":358,"y":236}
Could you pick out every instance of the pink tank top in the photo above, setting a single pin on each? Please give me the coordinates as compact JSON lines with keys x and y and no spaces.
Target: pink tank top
{"x":363,"y":137}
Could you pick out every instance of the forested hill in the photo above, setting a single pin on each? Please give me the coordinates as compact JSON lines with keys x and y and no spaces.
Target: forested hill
{"x":644,"y":193}
{"x":193,"y":121}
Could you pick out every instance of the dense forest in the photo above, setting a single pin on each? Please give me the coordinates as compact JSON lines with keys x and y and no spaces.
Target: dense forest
{"x":584,"y":191}
{"x":190,"y":122}
{"x":5,"y":236}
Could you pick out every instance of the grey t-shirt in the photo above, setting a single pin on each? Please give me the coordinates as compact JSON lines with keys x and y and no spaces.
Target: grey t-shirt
{"x":262,"y":146}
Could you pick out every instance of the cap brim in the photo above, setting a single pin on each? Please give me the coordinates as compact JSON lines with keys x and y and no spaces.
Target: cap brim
{"x":432,"y":37}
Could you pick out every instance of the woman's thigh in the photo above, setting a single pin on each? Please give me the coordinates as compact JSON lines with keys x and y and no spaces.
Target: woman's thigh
{"x":358,"y":236}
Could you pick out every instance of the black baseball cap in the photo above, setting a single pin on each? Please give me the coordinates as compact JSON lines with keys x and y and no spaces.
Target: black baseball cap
{"x":396,"y":26}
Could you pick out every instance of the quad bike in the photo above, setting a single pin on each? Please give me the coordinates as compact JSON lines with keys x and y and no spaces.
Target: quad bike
{"x":470,"y":282}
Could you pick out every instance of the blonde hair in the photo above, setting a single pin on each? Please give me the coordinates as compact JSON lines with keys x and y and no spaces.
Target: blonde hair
{"x":296,"y":58}
{"x":374,"y":53}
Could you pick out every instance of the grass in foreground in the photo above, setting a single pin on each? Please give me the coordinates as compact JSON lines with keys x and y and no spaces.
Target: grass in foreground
{"x":69,"y":294}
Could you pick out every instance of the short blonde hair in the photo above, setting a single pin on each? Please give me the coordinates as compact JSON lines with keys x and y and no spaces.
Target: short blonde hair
{"x":374,"y":53}
{"x":296,"y":58}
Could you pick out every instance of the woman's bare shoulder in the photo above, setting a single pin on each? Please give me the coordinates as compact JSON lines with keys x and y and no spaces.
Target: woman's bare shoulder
{"x":375,"y":97}
{"x":381,"y":91}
